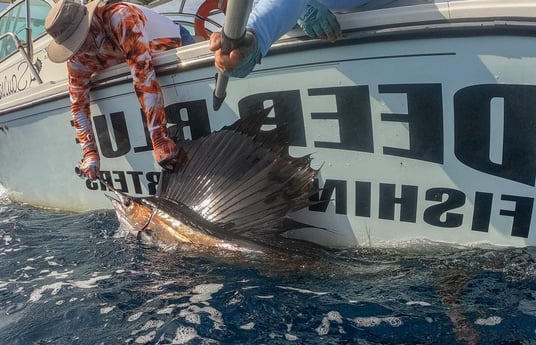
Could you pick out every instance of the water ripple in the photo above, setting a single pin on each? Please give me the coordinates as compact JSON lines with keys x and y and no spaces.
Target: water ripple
{"x":69,"y":279}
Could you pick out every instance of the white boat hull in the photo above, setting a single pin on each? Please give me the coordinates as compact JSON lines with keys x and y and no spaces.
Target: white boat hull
{"x":416,"y":139}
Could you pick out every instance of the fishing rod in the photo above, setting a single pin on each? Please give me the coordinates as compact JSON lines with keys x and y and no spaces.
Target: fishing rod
{"x":234,"y":31}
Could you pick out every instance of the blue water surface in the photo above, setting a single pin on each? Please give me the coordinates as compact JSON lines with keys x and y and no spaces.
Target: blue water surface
{"x":70,"y":278}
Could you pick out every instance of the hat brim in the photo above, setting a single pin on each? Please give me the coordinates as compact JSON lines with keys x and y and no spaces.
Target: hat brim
{"x":63,"y":52}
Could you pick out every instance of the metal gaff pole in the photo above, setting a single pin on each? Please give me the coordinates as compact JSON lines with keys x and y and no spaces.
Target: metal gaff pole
{"x":234,"y":29}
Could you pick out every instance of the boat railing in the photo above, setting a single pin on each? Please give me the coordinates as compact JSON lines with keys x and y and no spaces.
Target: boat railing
{"x":24,"y":53}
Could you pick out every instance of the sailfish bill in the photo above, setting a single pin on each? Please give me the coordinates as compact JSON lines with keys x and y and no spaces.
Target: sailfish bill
{"x":236,"y":191}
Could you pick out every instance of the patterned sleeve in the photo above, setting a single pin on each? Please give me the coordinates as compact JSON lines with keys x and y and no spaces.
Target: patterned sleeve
{"x":128,"y":26}
{"x":79,"y":79}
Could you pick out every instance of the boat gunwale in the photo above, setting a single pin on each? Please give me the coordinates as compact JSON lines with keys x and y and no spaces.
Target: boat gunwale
{"x":196,"y":56}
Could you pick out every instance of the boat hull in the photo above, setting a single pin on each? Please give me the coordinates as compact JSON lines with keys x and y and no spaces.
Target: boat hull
{"x":431,"y":138}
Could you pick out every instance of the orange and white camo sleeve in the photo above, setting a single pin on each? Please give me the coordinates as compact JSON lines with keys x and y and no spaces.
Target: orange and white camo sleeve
{"x":121,"y":32}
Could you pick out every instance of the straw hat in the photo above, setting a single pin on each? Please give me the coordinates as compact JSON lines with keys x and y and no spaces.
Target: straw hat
{"x":68,"y":23}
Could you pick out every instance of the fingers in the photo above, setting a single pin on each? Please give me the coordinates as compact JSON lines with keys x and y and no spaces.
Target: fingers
{"x":89,"y":167}
{"x":319,"y":22}
{"x":332,"y":28}
{"x":224,"y":62}
{"x":91,"y":173}
{"x":215,"y":41}
{"x":176,"y":162}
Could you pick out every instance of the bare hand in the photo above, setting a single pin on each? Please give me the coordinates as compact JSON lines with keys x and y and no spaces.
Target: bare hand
{"x":241,"y":60}
{"x":223,"y":62}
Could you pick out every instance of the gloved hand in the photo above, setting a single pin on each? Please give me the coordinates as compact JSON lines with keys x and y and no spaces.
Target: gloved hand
{"x":317,"y":21}
{"x":90,"y":165}
{"x":168,"y":155}
{"x":241,"y":60}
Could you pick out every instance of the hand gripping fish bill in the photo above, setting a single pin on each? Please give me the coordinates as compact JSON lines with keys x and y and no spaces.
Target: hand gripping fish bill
{"x":235,"y":192}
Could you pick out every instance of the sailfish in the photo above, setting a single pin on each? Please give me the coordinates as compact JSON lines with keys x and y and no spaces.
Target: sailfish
{"x":235,"y":191}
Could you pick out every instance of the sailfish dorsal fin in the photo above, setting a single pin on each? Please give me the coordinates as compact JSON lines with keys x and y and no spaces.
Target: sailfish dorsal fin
{"x":243,"y":178}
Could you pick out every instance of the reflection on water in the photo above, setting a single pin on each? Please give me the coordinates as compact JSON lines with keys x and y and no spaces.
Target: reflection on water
{"x":73,"y":279}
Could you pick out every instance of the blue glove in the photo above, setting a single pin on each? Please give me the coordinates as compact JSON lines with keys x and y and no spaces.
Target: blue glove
{"x":317,"y":21}
{"x":251,"y":53}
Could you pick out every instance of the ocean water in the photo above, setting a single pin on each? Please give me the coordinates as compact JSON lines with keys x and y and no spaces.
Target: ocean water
{"x":70,"y":278}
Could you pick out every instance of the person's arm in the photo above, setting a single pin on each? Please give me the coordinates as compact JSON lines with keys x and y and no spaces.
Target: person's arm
{"x":317,"y":21}
{"x":79,"y":78}
{"x":128,"y":25}
{"x":268,"y":21}
{"x":271,"y":19}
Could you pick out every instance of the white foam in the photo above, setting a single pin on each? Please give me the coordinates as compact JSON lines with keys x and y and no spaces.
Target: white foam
{"x":4,"y":196}
{"x":490,"y":321}
{"x":215,"y":316}
{"x":192,"y":315}
{"x":371,"y":321}
{"x":57,"y":275}
{"x":207,"y":288}
{"x":424,"y":304}
{"x":106,"y":310}
{"x":38,"y":293}
{"x":334,"y":316}
{"x":144,"y":339}
{"x":7,"y":240}
{"x":248,"y":326}
{"x":27,"y":268}
{"x":324,"y":326}
{"x":193,"y":318}
{"x":168,"y":310}
{"x":204,"y":292}
{"x":290,"y":337}
{"x":8,"y":220}
{"x":56,"y":287}
{"x":149,"y":325}
{"x":303,"y":290}
{"x":134,"y":317}
{"x":184,"y":334}
{"x":393,"y":321}
{"x":90,"y":283}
